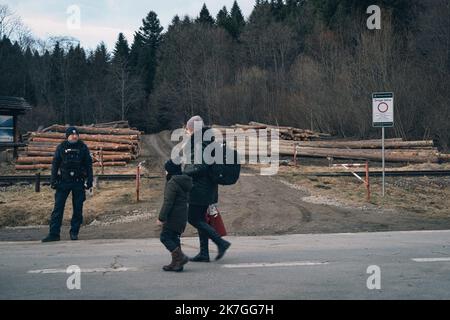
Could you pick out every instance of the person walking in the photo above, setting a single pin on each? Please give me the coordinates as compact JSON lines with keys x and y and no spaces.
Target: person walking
{"x":204,"y":193}
{"x":173,"y":214}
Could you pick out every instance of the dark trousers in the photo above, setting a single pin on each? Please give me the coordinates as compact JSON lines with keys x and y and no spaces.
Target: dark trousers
{"x":197,"y":218}
{"x":78,"y":197}
{"x":170,"y":239}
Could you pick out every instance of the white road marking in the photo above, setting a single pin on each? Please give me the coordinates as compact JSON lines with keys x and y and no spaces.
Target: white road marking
{"x":93,"y":270}
{"x":274,"y":265}
{"x":431,"y":259}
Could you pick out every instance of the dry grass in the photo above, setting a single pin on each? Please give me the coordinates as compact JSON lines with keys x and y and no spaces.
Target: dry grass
{"x":21,"y":206}
{"x":428,"y":195}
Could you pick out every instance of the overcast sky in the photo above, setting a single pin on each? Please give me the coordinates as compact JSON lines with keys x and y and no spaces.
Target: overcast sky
{"x":102,"y":20}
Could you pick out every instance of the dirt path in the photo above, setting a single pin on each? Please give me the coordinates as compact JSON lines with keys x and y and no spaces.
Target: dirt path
{"x":154,"y":144}
{"x":256,"y":205}
{"x":156,"y":150}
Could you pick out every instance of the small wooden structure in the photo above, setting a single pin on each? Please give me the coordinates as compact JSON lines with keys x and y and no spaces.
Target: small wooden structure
{"x":10,"y":110}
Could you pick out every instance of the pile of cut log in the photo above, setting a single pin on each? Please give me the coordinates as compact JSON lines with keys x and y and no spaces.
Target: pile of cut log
{"x":111,"y":144}
{"x":396,"y":150}
{"x":295,"y":134}
{"x":307,"y":143}
{"x":286,"y":133}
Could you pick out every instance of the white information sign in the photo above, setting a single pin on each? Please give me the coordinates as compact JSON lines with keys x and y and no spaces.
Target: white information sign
{"x":383,"y":109}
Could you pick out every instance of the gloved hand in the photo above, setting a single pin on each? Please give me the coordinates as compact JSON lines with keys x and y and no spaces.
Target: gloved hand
{"x":54,"y":185}
{"x":88,"y":185}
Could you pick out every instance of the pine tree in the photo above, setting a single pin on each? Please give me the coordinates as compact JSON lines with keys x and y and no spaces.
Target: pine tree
{"x":11,"y":68}
{"x":176,"y":22}
{"x":56,"y":90}
{"x":135,"y":51}
{"x":99,"y":60}
{"x":293,"y":8}
{"x":237,"y":21}
{"x":151,"y":30}
{"x":101,"y":56}
{"x":277,"y":8}
{"x":186,"y":20}
{"x":233,"y":22}
{"x":223,"y":19}
{"x":121,"y":49}
{"x":144,"y":49}
{"x":28,"y":90}
{"x":205,"y":17}
{"x":294,"y":3}
{"x":99,"y":64}
{"x":75,"y":80}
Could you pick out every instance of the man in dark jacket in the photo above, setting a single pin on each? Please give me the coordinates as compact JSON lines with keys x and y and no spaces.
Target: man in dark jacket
{"x":173,"y":214}
{"x":71,"y":172}
{"x":204,"y":193}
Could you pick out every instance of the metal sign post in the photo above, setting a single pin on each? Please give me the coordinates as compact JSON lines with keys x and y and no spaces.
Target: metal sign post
{"x":383,"y":116}
{"x":383,"y":161}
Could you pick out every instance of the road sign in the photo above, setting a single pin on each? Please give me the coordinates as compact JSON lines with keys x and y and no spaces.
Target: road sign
{"x":383,"y":109}
{"x":383,"y":116}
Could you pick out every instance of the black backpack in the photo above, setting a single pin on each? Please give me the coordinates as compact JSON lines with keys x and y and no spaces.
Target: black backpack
{"x":226,"y":174}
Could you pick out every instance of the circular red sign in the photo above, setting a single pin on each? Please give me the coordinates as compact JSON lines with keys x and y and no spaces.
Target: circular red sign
{"x":383,"y":107}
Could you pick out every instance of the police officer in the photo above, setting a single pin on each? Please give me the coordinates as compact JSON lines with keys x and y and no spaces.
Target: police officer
{"x":71,"y":172}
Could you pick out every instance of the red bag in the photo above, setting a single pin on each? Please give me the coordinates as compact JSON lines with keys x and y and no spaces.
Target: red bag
{"x":214,"y":219}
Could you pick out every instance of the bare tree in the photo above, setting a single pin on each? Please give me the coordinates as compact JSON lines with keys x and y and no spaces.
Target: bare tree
{"x":9,"y":22}
{"x":12,"y":27}
{"x":128,"y":88}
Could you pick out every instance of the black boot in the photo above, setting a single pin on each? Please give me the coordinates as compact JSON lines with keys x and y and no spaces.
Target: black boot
{"x":51,"y":238}
{"x":200,"y":258}
{"x":203,"y":256}
{"x":222,"y":248}
{"x":73,"y":236}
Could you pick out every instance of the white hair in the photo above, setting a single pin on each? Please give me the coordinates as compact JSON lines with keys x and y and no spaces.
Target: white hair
{"x":197,"y":120}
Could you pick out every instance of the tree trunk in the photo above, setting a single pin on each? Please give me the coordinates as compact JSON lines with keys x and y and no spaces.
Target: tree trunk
{"x":126,"y":139}
{"x":90,"y":144}
{"x":92,"y":130}
{"x":366,"y":144}
{"x":417,"y":156}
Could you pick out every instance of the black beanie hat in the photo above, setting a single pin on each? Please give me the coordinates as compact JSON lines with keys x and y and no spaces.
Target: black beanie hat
{"x":172,"y":168}
{"x":71,"y":130}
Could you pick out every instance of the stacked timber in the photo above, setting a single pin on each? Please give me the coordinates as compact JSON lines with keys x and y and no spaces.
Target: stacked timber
{"x":295,"y":134}
{"x":112,"y":144}
{"x":306,"y":143}
{"x":396,"y":150}
{"x":285,"y":133}
{"x":114,"y":124}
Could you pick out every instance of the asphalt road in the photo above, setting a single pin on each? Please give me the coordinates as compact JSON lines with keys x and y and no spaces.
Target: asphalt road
{"x":412,"y":265}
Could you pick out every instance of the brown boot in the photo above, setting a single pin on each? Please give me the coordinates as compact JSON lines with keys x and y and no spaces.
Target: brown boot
{"x":170,"y":266}
{"x":180,"y":259}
